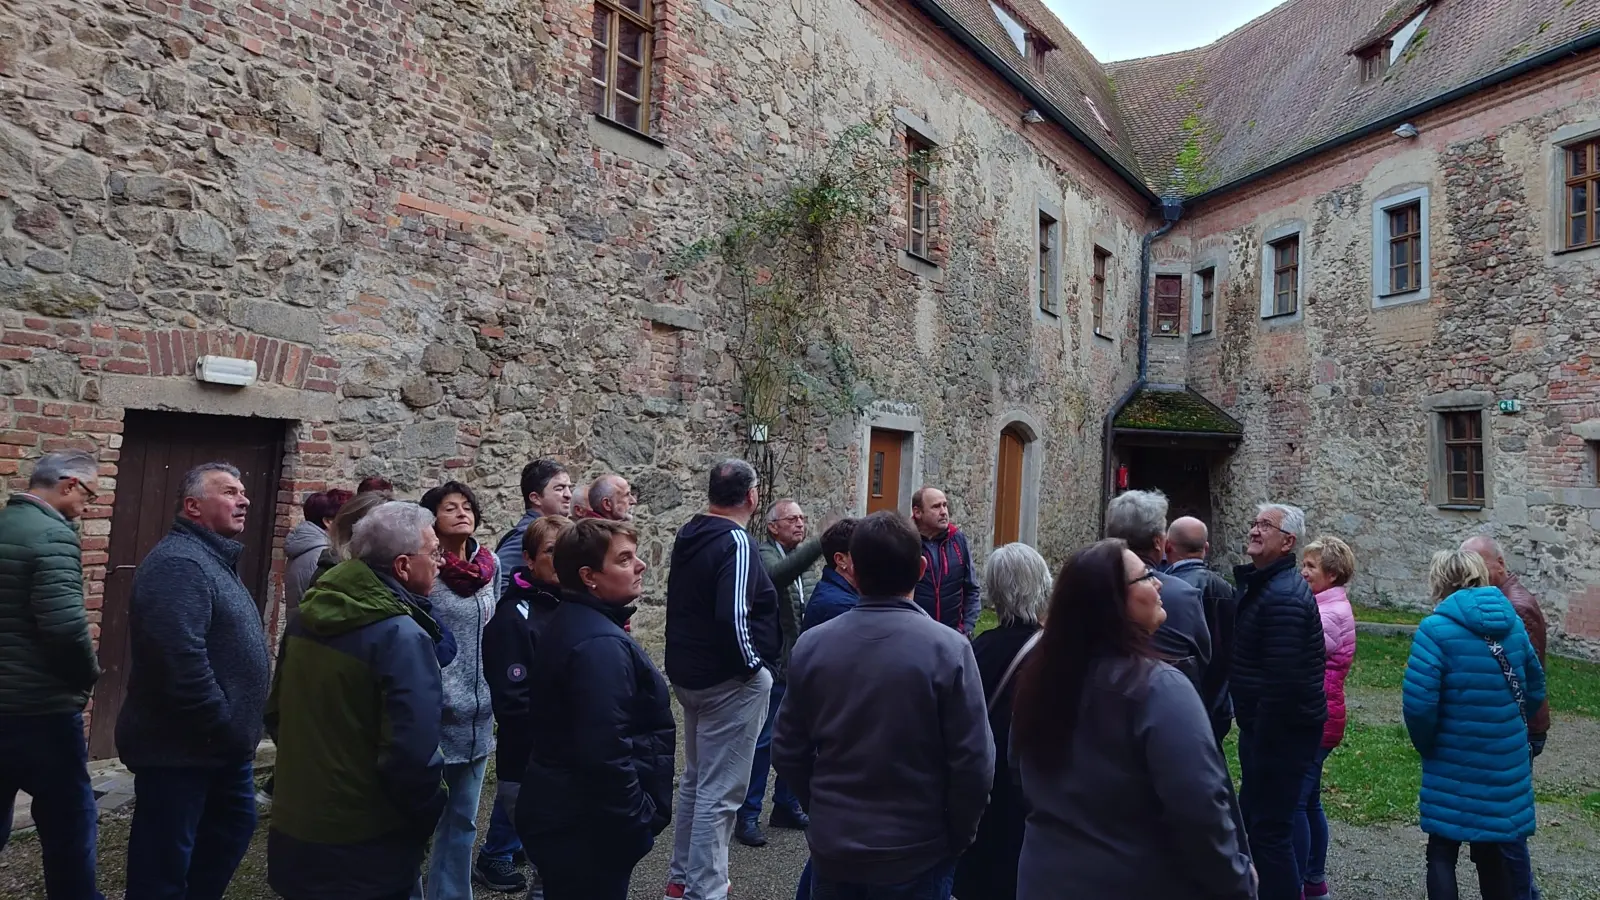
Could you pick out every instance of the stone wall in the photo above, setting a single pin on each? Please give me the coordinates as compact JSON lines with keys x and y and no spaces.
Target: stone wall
{"x":445,"y":266}
{"x":1337,"y":401}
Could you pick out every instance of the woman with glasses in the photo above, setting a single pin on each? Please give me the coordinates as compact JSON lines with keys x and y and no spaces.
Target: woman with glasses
{"x":463,"y":600}
{"x":1127,"y":789}
{"x":1470,"y":681}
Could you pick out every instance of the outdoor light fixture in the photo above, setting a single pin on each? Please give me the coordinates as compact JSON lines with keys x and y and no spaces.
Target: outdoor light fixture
{"x":1032,"y":117}
{"x":226,"y":370}
{"x":1407,"y":131}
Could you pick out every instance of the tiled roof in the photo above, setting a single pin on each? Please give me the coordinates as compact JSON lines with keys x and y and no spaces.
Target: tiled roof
{"x":1286,"y":82}
{"x":1188,"y":123}
{"x":1183,"y":410}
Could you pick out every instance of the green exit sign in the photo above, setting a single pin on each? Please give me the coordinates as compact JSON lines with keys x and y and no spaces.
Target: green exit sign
{"x":1510,"y":407}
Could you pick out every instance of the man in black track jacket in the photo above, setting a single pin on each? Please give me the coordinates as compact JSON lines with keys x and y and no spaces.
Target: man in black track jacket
{"x":722,"y":642}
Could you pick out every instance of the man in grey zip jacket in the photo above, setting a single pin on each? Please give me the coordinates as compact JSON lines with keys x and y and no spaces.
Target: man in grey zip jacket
{"x":884,"y":735}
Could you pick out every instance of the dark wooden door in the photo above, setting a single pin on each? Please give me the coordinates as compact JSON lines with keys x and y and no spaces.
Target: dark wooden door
{"x":1184,"y":475}
{"x":1008,"y":490}
{"x":883,"y":470}
{"x":157,"y":449}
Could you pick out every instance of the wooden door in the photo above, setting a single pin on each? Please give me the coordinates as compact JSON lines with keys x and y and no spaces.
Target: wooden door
{"x":157,"y":449}
{"x":1008,"y":490}
{"x":883,"y":470}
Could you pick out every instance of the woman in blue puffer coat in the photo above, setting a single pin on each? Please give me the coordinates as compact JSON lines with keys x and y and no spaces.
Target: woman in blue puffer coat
{"x":1471,"y":678}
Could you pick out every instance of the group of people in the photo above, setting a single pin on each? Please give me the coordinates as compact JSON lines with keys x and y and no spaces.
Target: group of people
{"x":1075,"y":749}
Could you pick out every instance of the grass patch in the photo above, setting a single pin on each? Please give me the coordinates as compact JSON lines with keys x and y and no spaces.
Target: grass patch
{"x":1573,"y":687}
{"x":1387,"y":616}
{"x":986,"y":620}
{"x":1380,"y":662}
{"x":1374,"y":776}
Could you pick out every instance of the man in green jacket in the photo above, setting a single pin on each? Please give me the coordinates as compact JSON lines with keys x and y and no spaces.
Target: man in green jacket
{"x":355,"y":711}
{"x":788,"y":557}
{"x":48,"y":668}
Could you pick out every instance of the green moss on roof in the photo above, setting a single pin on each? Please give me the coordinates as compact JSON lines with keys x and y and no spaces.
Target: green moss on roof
{"x":1165,"y":409}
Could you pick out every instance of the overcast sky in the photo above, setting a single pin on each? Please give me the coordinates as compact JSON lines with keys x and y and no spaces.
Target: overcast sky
{"x":1127,"y":29}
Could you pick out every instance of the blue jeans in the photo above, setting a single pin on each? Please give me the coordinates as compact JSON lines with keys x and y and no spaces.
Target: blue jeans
{"x":802,"y":891}
{"x":1520,"y":867}
{"x":191,"y":827}
{"x":501,"y":840}
{"x":934,"y":884}
{"x":47,"y":757}
{"x":782,"y":797}
{"x":1311,"y":826}
{"x":1494,"y":872}
{"x":1273,"y":765}
{"x":449,"y":872}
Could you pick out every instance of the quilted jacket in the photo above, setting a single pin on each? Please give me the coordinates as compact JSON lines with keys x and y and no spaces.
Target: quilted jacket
{"x":1477,"y":775}
{"x":47,"y":662}
{"x":1339,"y":641}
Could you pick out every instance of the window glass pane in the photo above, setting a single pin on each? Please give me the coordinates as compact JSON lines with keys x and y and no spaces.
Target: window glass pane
{"x":628,"y":113}
{"x":877,"y":474}
{"x":1578,"y":161}
{"x":629,"y":78}
{"x":631,"y":40}
{"x":1477,"y":484}
{"x":637,"y":6}
{"x":1401,"y":279}
{"x":1458,"y":487}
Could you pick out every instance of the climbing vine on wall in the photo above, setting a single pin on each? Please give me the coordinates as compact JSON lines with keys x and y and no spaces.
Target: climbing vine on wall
{"x":783,"y":256}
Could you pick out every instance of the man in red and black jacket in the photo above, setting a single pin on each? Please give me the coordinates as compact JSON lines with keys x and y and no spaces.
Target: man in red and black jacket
{"x":948,"y":590}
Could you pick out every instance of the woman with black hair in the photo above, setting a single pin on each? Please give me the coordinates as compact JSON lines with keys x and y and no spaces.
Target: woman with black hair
{"x":463,"y":601}
{"x":1128,"y":791}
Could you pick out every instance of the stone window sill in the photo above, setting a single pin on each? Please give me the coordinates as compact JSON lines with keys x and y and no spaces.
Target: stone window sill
{"x":612,"y":135}
{"x":916,"y":265}
{"x":1105,"y":337}
{"x":1588,"y":248}
{"x":1461,"y":507}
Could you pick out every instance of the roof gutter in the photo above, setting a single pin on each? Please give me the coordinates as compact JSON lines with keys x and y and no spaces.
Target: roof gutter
{"x":1040,"y":101}
{"x":1572,"y":48}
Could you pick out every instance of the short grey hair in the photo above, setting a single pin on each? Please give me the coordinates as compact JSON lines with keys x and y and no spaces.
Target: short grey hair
{"x":53,"y":468}
{"x":604,"y":488}
{"x":772,"y":511}
{"x":1017,"y":581}
{"x":389,"y":532}
{"x":1139,"y":518}
{"x":194,"y":480}
{"x":1291,"y":519}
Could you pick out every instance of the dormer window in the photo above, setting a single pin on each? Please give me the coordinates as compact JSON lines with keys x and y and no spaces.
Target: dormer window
{"x":1097,"y":117}
{"x":1374,"y":63}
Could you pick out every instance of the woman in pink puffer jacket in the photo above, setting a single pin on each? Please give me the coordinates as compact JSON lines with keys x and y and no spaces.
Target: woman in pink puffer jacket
{"x":1327,"y":566}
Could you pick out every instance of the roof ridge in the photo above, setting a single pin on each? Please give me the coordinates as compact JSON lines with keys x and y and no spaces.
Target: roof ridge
{"x":1192,"y":51}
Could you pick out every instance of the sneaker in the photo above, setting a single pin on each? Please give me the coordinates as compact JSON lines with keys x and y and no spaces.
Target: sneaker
{"x":748,"y":833}
{"x":1318,"y":891}
{"x":790,"y":818}
{"x":674,"y":891}
{"x":498,"y":875}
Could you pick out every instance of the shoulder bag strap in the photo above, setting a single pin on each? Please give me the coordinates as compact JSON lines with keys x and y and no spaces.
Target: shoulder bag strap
{"x":1512,"y":680}
{"x":1011,"y":670}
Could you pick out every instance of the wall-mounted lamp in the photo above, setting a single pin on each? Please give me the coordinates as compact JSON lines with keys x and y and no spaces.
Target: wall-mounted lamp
{"x":226,"y":370}
{"x":1407,"y":131}
{"x":1032,"y":117}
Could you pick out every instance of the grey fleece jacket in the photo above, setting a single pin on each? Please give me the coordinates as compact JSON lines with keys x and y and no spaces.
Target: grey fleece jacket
{"x":884,"y":737}
{"x":303,"y":547}
{"x":467,"y":732}
{"x":198,"y":674}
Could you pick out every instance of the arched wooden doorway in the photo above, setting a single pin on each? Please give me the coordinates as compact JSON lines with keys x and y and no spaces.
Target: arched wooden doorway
{"x":1008,"y":486}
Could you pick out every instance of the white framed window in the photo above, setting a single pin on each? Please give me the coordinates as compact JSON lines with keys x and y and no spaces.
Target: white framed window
{"x":1283,"y":273}
{"x":1401,"y":249}
{"x":1203,"y":302}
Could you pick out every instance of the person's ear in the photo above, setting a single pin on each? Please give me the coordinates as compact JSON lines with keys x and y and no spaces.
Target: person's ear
{"x":1207,"y":550}
{"x":583,"y":576}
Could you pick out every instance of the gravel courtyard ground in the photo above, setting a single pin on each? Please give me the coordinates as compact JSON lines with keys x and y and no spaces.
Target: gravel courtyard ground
{"x":1374,"y":862}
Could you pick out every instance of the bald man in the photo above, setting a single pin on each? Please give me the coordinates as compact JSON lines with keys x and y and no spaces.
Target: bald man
{"x":1527,"y":607}
{"x":1188,"y":545}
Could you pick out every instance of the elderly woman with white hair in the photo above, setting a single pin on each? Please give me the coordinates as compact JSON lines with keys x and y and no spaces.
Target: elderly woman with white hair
{"x":1017,"y":582}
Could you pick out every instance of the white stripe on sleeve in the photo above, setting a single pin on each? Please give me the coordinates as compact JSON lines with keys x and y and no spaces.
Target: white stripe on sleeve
{"x":741,"y":597}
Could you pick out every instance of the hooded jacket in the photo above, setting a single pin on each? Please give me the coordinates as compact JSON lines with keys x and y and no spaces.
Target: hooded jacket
{"x":509,"y":643}
{"x":1278,"y":658}
{"x":303,"y":549}
{"x":722,"y":608}
{"x":948,"y":590}
{"x":47,"y":661}
{"x":833,"y":597}
{"x":1339,"y":641}
{"x":604,"y":739}
{"x":354,"y":711}
{"x":1477,"y":774}
{"x":199,"y":674}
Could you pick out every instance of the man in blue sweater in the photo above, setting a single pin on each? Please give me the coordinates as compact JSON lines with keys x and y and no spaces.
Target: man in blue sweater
{"x":197,"y":694}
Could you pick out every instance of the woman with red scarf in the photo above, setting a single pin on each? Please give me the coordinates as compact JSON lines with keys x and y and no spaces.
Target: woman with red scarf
{"x":463,"y":600}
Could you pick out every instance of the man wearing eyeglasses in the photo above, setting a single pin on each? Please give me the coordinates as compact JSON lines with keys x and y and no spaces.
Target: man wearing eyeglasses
{"x":1276,"y":683}
{"x":788,"y":557}
{"x":47,"y":669}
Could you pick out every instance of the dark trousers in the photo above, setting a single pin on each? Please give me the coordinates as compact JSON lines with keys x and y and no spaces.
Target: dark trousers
{"x":1494,"y":876}
{"x":1520,"y":867}
{"x":934,"y":884}
{"x":1273,"y":766}
{"x":1311,"y":826}
{"x":782,"y":797}
{"x":587,"y":865}
{"x":48,"y":757}
{"x":191,"y":827}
